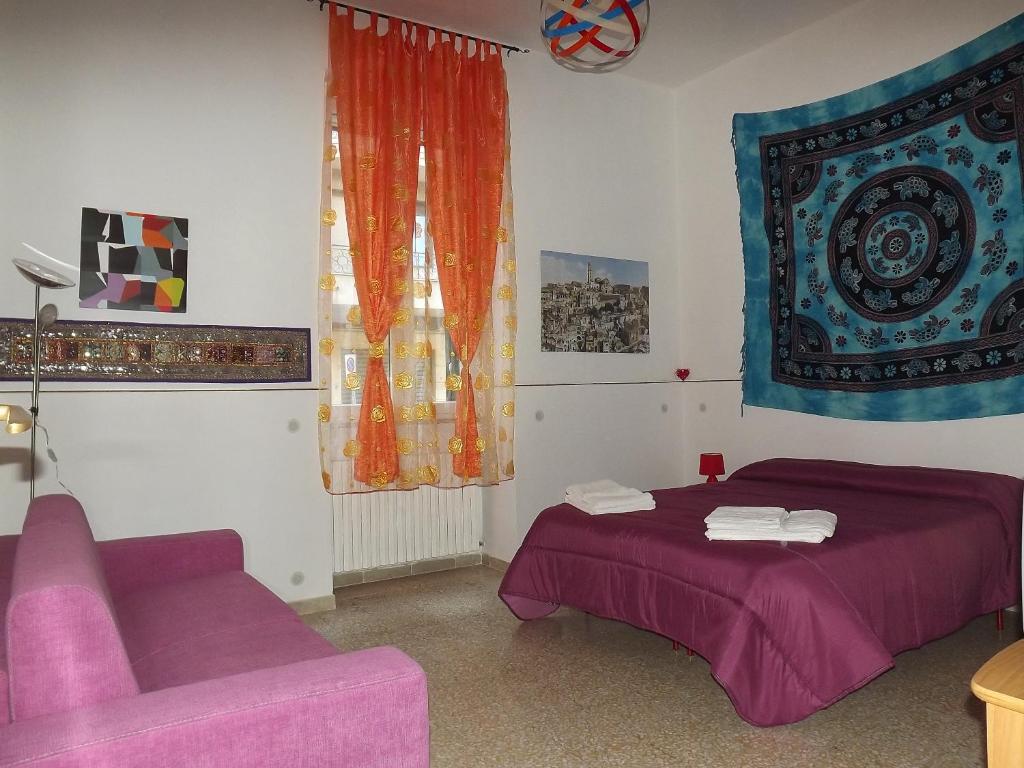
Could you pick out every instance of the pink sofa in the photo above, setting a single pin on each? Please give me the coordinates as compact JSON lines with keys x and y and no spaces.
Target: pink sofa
{"x":161,"y":651}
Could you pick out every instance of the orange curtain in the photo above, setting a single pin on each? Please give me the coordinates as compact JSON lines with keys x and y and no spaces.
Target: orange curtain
{"x":376,"y":81}
{"x":465,"y":109}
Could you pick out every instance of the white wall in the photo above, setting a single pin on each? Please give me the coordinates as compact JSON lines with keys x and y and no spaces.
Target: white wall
{"x":863,"y":44}
{"x":211,"y":111}
{"x":592,"y":173}
{"x":204,"y":111}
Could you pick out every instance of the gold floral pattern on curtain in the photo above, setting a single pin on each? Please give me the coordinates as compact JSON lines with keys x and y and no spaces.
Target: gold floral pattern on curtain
{"x":407,"y":395}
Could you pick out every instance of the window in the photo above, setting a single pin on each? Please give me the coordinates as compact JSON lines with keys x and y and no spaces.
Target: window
{"x":408,"y":436}
{"x":351,"y":349}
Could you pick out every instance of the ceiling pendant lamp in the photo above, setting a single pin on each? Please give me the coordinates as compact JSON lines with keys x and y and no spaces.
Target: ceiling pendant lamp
{"x":594,"y":35}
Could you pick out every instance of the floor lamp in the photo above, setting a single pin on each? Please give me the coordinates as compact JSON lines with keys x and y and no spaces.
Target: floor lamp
{"x":41,"y":277}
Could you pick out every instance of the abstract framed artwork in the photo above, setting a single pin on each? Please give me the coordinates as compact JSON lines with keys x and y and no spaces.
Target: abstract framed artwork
{"x":594,"y":304}
{"x":882,"y":243}
{"x":133,"y":261}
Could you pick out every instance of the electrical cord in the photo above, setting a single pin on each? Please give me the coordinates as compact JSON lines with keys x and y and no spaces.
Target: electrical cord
{"x":53,"y":457}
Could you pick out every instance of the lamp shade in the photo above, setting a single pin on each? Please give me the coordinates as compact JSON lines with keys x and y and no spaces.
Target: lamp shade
{"x":14,"y":419}
{"x":42,"y":276}
{"x":712,"y":464}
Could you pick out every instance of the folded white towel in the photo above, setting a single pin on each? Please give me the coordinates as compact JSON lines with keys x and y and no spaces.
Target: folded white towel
{"x":607,"y":496}
{"x":608,"y":509}
{"x":780,"y":535}
{"x":816,"y":519}
{"x":745,"y":526}
{"x":612,"y":500}
{"x":753,"y":518}
{"x":811,"y":522}
{"x":598,"y":486}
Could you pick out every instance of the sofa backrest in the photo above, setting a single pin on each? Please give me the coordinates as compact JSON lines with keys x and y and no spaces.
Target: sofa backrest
{"x":64,"y":647}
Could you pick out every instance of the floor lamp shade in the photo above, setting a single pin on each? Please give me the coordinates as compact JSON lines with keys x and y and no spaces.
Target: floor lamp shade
{"x":42,"y":276}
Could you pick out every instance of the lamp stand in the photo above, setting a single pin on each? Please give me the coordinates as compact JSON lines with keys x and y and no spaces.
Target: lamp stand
{"x":40,"y":277}
{"x":34,"y":410}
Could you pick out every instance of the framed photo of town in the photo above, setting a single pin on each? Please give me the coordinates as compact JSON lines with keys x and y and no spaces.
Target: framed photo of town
{"x":593,"y":304}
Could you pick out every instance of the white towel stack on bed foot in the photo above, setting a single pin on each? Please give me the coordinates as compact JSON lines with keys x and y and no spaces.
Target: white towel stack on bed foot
{"x":770,"y":524}
{"x":606,"y":496}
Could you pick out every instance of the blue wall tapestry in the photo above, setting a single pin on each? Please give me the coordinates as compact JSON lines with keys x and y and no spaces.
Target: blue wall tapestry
{"x":882,"y":242}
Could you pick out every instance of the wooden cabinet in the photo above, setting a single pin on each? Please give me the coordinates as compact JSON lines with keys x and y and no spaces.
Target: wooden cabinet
{"x":1000,"y":684}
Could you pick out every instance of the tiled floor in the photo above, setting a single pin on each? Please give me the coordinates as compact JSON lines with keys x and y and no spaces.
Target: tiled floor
{"x":573,"y":690}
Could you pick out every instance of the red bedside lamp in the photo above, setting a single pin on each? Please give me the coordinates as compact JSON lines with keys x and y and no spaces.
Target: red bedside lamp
{"x":711,"y":466}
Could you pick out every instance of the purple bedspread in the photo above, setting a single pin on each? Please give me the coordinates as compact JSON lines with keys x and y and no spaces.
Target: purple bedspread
{"x":788,"y":628}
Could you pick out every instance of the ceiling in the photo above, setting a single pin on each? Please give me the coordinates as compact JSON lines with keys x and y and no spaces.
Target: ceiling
{"x":686,"y":37}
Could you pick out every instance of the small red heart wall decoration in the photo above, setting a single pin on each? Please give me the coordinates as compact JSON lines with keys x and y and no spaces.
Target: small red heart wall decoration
{"x":682,"y":373}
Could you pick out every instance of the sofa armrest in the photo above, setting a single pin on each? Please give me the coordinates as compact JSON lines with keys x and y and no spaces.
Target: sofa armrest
{"x":366,"y":709}
{"x":148,"y":561}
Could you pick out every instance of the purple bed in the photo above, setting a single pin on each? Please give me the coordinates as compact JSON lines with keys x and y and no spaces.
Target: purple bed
{"x":788,"y":628}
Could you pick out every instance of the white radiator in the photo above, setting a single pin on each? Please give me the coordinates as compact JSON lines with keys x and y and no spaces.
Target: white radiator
{"x":384,"y":528}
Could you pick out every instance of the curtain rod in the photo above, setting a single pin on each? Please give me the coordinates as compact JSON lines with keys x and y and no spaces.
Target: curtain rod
{"x":509,"y":49}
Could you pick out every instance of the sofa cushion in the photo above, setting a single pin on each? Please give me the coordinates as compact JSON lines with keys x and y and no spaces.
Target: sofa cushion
{"x":210,"y":627}
{"x":64,"y":647}
{"x":7,"y":547}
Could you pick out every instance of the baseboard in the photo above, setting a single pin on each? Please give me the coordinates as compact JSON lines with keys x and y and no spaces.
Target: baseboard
{"x":314,"y":605}
{"x":388,"y":572}
{"x":495,"y":564}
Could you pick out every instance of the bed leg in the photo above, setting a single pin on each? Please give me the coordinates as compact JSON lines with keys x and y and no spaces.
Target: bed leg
{"x":999,"y":620}
{"x":676,"y":645}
